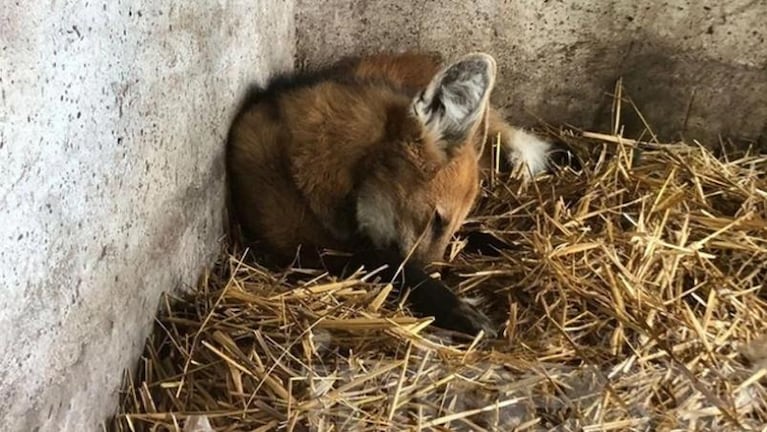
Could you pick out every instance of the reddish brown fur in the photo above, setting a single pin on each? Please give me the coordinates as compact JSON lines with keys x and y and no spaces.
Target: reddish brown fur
{"x":296,"y":160}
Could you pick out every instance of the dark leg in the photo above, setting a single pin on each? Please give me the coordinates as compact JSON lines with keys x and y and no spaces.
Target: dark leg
{"x":484,"y":243}
{"x":427,"y":297}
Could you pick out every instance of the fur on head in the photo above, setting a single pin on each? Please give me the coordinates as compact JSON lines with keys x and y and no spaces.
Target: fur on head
{"x":424,"y":178}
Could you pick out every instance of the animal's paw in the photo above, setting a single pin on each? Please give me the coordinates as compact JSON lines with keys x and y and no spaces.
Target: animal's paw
{"x":468,"y":319}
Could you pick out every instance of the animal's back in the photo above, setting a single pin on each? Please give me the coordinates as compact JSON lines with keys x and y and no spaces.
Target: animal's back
{"x":409,"y":72}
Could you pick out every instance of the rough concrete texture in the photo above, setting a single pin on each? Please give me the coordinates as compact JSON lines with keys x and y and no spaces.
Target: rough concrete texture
{"x":693,"y":67}
{"x":113,"y":117}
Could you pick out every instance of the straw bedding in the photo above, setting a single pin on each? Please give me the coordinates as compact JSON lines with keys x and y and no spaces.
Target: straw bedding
{"x":632,"y":299}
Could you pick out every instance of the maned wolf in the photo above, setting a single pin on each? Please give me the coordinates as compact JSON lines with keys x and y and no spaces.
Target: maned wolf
{"x":378,"y":156}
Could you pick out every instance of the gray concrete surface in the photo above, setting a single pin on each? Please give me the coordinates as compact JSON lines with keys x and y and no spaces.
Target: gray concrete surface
{"x":698,"y":68}
{"x":112,"y":120}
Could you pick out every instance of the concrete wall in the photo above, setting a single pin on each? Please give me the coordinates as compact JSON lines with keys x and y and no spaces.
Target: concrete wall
{"x":697,"y":67}
{"x":112,"y":120}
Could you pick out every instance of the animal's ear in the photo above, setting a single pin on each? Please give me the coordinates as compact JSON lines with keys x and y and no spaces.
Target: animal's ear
{"x":454,"y":103}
